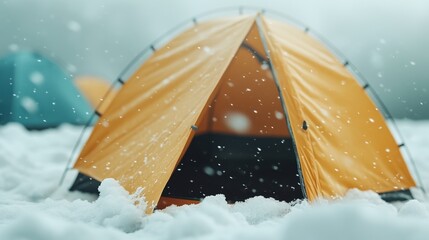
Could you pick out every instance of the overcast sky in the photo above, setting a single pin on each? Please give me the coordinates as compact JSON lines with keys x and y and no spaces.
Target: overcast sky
{"x":387,"y":40}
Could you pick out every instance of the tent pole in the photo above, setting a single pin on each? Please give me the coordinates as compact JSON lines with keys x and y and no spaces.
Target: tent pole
{"x":67,"y":168}
{"x":282,"y":101}
{"x":390,"y":118}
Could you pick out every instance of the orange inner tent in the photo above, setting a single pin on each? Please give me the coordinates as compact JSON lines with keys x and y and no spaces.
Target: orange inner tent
{"x":96,"y":90}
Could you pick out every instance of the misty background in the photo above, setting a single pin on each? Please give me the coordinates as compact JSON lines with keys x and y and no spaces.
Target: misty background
{"x":386,"y":40}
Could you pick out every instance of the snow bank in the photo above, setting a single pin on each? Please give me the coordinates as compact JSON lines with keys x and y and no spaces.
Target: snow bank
{"x":31,"y":162}
{"x":33,"y":207}
{"x":416,"y":136}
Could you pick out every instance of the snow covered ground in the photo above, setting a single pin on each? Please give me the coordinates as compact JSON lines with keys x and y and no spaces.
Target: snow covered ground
{"x":32,"y":206}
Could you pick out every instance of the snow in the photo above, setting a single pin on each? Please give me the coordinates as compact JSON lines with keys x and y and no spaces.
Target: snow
{"x":238,"y":122}
{"x":278,"y":115}
{"x":37,"y":78}
{"x":74,"y":26}
{"x":29,"y":104}
{"x":34,"y":206}
{"x":13,"y":47}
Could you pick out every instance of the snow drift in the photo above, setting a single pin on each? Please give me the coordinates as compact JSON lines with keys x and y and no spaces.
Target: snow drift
{"x":33,"y":206}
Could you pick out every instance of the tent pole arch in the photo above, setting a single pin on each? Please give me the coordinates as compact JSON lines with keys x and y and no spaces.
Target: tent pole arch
{"x":82,"y":133}
{"x":240,"y":10}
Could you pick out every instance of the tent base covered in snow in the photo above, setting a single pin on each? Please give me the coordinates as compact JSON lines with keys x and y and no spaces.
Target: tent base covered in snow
{"x":244,"y":106}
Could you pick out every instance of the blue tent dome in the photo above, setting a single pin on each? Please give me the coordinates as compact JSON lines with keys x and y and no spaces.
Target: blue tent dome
{"x":37,"y":93}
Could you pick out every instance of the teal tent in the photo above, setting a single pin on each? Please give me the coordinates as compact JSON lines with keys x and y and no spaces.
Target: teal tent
{"x":37,"y":93}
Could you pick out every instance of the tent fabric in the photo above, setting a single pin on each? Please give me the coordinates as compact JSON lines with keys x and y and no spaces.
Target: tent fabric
{"x":171,"y":99}
{"x":246,"y":83}
{"x":344,"y":125}
{"x":247,"y":93}
{"x":98,"y":91}
{"x":38,"y":94}
{"x":242,"y":147}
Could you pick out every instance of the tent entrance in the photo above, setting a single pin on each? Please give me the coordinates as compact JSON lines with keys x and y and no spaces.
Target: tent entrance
{"x":242,"y":147}
{"x":234,"y":166}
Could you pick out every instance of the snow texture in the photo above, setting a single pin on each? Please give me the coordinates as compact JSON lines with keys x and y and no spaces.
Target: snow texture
{"x":33,"y":206}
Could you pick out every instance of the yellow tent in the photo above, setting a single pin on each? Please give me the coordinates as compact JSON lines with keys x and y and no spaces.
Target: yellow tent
{"x":243,"y":106}
{"x":96,"y":90}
